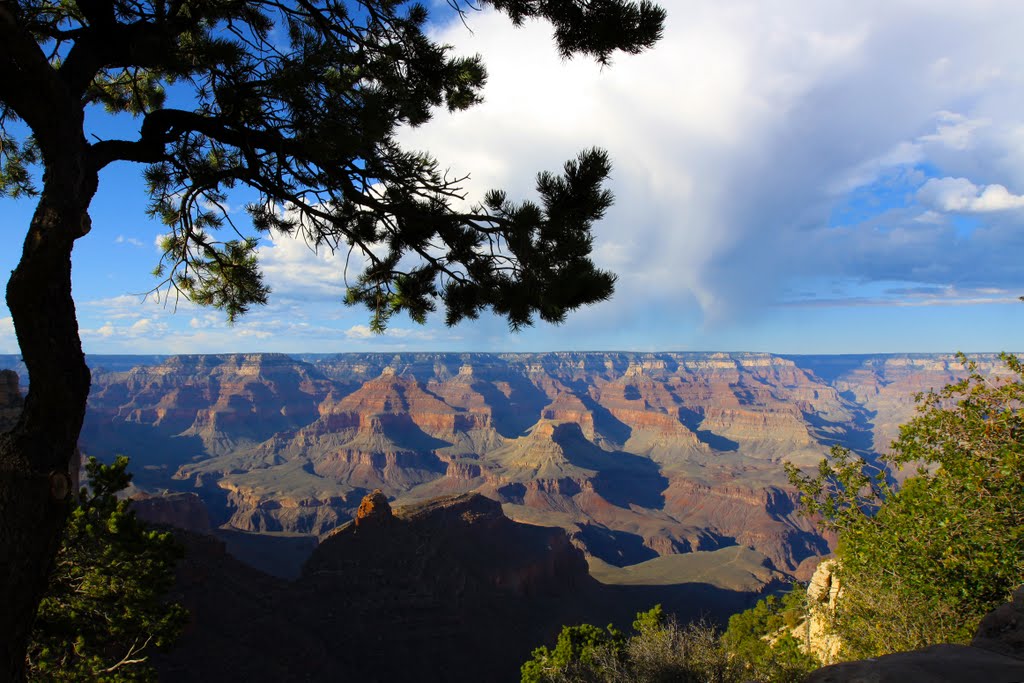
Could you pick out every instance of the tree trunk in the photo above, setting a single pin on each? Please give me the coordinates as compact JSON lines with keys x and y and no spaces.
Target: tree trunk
{"x":35,"y":486}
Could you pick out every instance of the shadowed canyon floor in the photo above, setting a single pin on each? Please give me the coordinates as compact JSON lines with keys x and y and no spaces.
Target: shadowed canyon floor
{"x":450,"y":590}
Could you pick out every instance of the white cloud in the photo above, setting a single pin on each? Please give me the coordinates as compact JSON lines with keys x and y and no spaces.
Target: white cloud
{"x":293,"y":268}
{"x":364,"y":333}
{"x":960,"y":194}
{"x":359,"y":332}
{"x":8,"y":342}
{"x":739,"y":135}
{"x":134,"y":306}
{"x":121,"y":239}
{"x":955,"y":131}
{"x":144,"y":328}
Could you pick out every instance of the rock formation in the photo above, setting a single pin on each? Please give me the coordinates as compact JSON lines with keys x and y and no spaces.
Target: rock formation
{"x":813,"y":633}
{"x":450,"y":590}
{"x":936,"y":664}
{"x":11,"y":400}
{"x":1002,"y":629}
{"x":995,"y":654}
{"x":180,"y":510}
{"x":460,"y":546}
{"x":374,"y":511}
{"x":635,"y":455}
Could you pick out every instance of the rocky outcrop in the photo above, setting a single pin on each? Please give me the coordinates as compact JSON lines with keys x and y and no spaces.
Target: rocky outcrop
{"x":11,"y":401}
{"x":996,"y":654}
{"x":374,"y":511}
{"x":454,"y":570}
{"x":1002,"y":630}
{"x":180,"y":510}
{"x":936,"y":664}
{"x":814,"y":634}
{"x":459,"y":546}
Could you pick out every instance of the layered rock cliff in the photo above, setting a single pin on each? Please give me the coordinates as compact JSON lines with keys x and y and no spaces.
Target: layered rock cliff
{"x":634,"y":455}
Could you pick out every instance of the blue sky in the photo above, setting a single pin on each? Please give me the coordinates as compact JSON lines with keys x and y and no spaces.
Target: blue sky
{"x":828,"y":177}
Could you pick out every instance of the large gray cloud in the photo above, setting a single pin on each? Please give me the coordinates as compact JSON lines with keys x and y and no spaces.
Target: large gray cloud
{"x":751,"y":144}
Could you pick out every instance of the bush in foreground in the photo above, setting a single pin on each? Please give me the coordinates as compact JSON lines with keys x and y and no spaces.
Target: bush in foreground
{"x":105,"y":610}
{"x":922,"y":564}
{"x":661,"y":649}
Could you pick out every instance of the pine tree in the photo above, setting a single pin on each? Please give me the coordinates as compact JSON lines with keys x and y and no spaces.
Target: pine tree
{"x":298,"y":101}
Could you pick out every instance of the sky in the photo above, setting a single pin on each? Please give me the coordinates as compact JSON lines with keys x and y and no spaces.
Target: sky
{"x":790,"y":177}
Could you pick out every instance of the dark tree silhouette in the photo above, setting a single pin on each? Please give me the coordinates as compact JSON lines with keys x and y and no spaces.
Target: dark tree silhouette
{"x":297,"y":100}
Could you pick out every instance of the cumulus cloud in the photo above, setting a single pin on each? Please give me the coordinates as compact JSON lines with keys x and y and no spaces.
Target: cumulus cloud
{"x":143,"y":328}
{"x":960,"y":194}
{"x":294,"y":268}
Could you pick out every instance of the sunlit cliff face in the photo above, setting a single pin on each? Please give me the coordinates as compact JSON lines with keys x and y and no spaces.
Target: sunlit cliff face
{"x":636,"y":455}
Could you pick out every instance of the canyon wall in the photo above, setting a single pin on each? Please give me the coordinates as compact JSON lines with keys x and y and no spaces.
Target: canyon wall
{"x":634,"y":455}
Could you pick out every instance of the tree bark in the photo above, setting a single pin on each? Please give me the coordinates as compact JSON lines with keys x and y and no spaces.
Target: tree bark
{"x":35,"y":482}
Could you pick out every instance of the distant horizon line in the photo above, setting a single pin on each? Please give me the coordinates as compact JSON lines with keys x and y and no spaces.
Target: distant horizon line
{"x":519,"y":352}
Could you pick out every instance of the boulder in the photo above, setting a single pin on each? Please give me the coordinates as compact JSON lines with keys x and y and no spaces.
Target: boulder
{"x":1002,"y":629}
{"x":936,"y":664}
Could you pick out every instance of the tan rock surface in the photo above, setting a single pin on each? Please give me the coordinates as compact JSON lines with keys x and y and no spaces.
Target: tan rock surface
{"x":823,"y":591}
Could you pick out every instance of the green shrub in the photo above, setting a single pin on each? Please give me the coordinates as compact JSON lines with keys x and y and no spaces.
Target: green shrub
{"x":921,"y":564}
{"x":105,"y":610}
{"x":575,"y":655}
{"x":658,"y":650}
{"x":760,"y":638}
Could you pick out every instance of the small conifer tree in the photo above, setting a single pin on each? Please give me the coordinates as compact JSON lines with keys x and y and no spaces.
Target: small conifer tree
{"x":105,"y":611}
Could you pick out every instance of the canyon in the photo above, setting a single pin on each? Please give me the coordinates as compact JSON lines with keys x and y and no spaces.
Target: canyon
{"x":645,"y":460}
